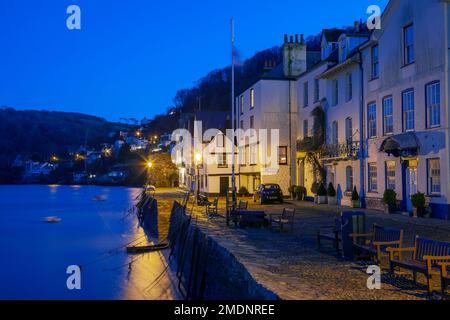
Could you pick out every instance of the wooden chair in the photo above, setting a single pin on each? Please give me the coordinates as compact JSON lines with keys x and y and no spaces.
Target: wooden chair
{"x":445,"y":275}
{"x":425,"y":258}
{"x":285,"y":218}
{"x":375,"y":244}
{"x":212,"y":208}
{"x":331,"y":233}
{"x":243,"y":205}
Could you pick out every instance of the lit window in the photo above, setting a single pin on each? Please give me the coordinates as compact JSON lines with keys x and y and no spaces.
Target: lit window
{"x":408,"y":110}
{"x":388,"y":116}
{"x":252,"y":98}
{"x":372,"y":120}
{"x":282,"y":156}
{"x":434,"y":177}
{"x":305,"y":94}
{"x":253,"y":154}
{"x":408,"y":44}
{"x":222,"y":160}
{"x":348,"y":87}
{"x":349,"y":178}
{"x":433,"y":92}
{"x":390,"y":175}
{"x":373,"y":177}
{"x":375,"y":63}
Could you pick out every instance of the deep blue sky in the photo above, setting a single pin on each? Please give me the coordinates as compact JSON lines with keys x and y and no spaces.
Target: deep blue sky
{"x":132,"y":56}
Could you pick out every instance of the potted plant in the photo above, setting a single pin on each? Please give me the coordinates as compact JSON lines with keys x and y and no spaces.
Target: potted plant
{"x":332,"y":199}
{"x":321,"y":194}
{"x":355,"y":199}
{"x":390,"y":201}
{"x":292,"y":191}
{"x":418,"y":202}
{"x":243,"y":192}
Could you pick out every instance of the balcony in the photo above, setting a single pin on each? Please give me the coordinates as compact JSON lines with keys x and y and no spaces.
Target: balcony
{"x":340,"y":152}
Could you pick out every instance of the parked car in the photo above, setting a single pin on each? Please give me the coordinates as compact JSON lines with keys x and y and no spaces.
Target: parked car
{"x":267,"y":193}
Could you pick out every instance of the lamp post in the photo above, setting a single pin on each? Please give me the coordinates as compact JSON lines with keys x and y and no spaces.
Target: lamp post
{"x":198,"y":161}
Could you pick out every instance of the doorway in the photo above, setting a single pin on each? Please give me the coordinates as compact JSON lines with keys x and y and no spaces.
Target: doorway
{"x":411,"y":185}
{"x":224,"y":184}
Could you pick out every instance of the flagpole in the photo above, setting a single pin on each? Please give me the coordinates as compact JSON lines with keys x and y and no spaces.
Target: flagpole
{"x":233,"y":176}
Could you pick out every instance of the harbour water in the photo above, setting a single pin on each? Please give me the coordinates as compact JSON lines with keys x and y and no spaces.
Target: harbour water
{"x":92,"y":234}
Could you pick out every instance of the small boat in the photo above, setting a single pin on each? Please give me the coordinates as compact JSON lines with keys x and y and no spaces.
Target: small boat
{"x":99,"y":198}
{"x":53,"y":219}
{"x":150,"y":248}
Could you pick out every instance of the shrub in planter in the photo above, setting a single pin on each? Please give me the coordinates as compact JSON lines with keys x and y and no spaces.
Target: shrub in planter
{"x":390,"y":200}
{"x":321,"y":194}
{"x":243,"y":192}
{"x":331,"y":192}
{"x":292,"y":191}
{"x":418,"y":201}
{"x":355,"y":198}
{"x":315,"y":188}
{"x":300,"y":193}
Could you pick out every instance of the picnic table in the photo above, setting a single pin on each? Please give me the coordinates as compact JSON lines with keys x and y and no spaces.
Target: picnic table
{"x":245,"y":218}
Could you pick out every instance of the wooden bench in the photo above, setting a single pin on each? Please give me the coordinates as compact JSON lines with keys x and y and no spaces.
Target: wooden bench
{"x":245,"y":218}
{"x":424,"y":258}
{"x":445,"y":275}
{"x":211,"y":208}
{"x":202,"y":200}
{"x":331,"y":233}
{"x":285,"y":218}
{"x":374,"y":245}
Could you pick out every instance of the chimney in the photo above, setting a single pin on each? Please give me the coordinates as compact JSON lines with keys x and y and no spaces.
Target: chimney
{"x":285,"y":38}
{"x":357,"y":26}
{"x":268,"y":66}
{"x":294,"y":56}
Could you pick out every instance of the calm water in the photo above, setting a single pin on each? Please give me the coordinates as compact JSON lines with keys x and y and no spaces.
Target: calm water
{"x":35,"y":254}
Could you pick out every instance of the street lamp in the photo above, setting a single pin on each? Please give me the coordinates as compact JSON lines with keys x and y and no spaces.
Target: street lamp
{"x":198,"y":161}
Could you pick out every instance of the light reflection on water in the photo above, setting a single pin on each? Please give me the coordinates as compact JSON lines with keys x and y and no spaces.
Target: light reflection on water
{"x":36,"y":254}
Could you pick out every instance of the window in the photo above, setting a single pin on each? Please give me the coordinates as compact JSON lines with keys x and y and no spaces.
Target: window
{"x":348,"y":87}
{"x":434,"y":176}
{"x":408,"y":110}
{"x":433,"y":103}
{"x":305,"y":94}
{"x":282,"y":156}
{"x":242,"y":104}
{"x":253,"y":154}
{"x":242,"y":124}
{"x":373,"y":177}
{"x":408,"y":44}
{"x":349,"y":179}
{"x":252,"y":124}
{"x":305,"y":129}
{"x":335,"y":96}
{"x":349,"y":130}
{"x":220,"y":141}
{"x":334,"y":133}
{"x":372,"y":120}
{"x":375,"y":63}
{"x":222,"y":160}
{"x":242,"y":161}
{"x":388,"y":116}
{"x":252,"y":98}
{"x":390,"y":175}
{"x":316,"y":90}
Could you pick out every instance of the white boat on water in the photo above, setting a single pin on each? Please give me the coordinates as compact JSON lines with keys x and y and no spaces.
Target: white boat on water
{"x":53,"y":219}
{"x":99,"y":198}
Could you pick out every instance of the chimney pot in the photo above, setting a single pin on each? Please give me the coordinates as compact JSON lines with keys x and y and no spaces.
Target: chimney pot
{"x":285,"y":38}
{"x":296,"y":38}
{"x":357,"y":26}
{"x":291,"y":39}
{"x":302,"y":39}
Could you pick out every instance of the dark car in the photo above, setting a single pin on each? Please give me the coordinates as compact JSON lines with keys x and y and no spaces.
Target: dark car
{"x":268,"y":193}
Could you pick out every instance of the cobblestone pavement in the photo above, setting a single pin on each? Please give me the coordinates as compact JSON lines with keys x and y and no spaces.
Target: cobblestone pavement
{"x":291,"y":265}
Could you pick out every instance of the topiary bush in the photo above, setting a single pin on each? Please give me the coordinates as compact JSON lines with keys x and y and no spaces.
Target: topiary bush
{"x":418,"y":200}
{"x":390,"y":197}
{"x":243,"y":191}
{"x":322,"y":192}
{"x":331,"y":190}
{"x":355,"y":194}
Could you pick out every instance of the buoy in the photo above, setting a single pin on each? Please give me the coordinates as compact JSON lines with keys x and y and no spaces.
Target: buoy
{"x":53,"y":219}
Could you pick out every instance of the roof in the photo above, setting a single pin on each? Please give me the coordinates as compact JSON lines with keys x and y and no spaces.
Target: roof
{"x":210,"y":119}
{"x":277,"y":73}
{"x":332,"y":35}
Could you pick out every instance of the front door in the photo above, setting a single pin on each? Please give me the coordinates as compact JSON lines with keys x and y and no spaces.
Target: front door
{"x":224,"y":184}
{"x":411,"y":186}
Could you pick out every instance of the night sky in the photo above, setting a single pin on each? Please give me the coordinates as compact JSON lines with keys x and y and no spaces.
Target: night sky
{"x":130,"y":57}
